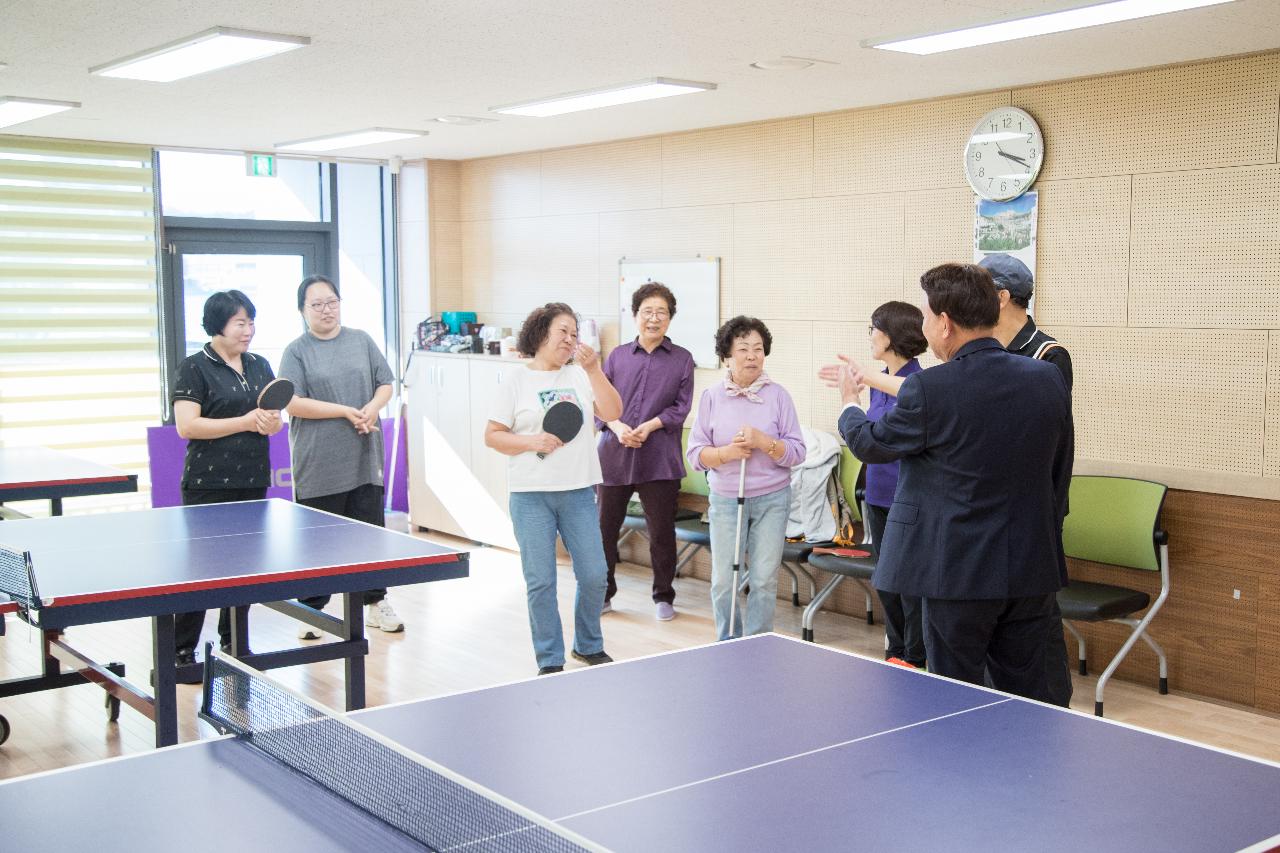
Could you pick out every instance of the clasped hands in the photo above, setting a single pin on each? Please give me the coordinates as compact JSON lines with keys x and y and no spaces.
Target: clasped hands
{"x":364,"y":420}
{"x":266,"y":421}
{"x":632,"y":436}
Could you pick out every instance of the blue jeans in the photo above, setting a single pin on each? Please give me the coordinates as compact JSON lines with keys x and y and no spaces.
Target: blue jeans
{"x":537,"y":517}
{"x":764,"y":532}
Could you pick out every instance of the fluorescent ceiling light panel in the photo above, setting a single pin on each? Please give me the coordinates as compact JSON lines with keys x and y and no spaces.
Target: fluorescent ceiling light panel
{"x":1039,"y":25}
{"x":220,"y":47}
{"x":350,"y":139}
{"x":17,"y":110}
{"x":626,"y":93}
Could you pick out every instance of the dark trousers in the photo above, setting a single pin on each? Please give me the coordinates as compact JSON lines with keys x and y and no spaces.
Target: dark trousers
{"x":363,"y":503}
{"x":1006,"y":637}
{"x":659,"y":501}
{"x":903,"y":620}
{"x":186,"y":626}
{"x":1057,"y":667}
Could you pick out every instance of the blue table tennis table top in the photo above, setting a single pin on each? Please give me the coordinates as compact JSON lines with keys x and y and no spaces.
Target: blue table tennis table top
{"x":765,"y":743}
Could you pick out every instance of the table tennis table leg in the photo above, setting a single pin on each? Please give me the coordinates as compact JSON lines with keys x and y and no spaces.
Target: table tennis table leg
{"x":55,"y":506}
{"x":239,"y":631}
{"x":165,"y":651}
{"x":353,"y":630}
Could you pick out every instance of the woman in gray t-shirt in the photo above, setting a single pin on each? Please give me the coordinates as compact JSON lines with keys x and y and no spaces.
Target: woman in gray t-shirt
{"x":342,"y":383}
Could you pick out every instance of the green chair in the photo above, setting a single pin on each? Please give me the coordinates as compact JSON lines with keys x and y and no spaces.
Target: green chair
{"x":858,"y":568}
{"x":1115,"y":520}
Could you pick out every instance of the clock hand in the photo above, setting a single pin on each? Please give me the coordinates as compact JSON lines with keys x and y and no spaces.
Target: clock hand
{"x":1012,"y":157}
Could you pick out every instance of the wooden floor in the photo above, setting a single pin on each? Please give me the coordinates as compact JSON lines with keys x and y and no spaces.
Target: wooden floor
{"x":470,"y":633}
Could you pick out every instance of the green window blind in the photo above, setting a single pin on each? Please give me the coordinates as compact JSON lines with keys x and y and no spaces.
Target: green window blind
{"x":79,"y":357}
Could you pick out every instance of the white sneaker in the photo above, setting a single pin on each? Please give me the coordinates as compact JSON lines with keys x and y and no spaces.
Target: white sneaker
{"x":381,"y":616}
{"x":306,"y":632}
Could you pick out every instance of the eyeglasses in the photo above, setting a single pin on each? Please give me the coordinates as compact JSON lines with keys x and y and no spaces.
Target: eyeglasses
{"x":322,"y":307}
{"x":870,"y":329}
{"x":651,"y":314}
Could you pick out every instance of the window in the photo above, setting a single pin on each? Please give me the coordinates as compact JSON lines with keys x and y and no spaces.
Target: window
{"x":79,"y":359}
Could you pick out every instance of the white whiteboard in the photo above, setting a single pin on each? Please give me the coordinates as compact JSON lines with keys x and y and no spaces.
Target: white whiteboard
{"x":696,"y":285}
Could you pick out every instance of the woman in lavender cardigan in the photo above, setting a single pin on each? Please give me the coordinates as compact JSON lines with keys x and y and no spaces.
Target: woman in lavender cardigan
{"x":746,"y":417}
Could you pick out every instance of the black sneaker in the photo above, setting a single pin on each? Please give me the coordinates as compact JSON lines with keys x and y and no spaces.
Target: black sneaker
{"x":187,"y":658}
{"x":549,"y":670}
{"x":226,"y":649}
{"x":592,"y":660}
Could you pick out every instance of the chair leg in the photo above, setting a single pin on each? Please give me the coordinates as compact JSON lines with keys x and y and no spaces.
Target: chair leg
{"x":1084,"y":659}
{"x":1139,"y":630}
{"x":806,"y":620}
{"x":626,"y":534}
{"x":870,"y":595}
{"x":1164,"y":663}
{"x":795,"y":584}
{"x":686,"y":553}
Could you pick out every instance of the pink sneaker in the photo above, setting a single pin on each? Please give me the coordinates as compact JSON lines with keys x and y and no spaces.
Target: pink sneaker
{"x":665,"y":612}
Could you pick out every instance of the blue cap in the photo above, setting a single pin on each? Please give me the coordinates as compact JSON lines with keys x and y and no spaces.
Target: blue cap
{"x":1009,"y":274}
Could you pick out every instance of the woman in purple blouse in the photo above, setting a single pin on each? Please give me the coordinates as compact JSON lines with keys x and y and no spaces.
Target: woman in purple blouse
{"x":640,"y":451}
{"x":746,"y":417}
{"x":897,"y":337}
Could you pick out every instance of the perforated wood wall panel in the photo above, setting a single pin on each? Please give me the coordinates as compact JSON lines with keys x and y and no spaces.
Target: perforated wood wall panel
{"x":896,"y":148}
{"x":1183,"y":398}
{"x":755,"y":162}
{"x":683,"y":232}
{"x":1082,"y":252}
{"x":501,"y":187}
{"x":444,"y":189}
{"x":1165,"y":119}
{"x":1271,"y":466}
{"x":829,"y":340}
{"x":790,"y":362}
{"x":939,"y":230}
{"x":1206,"y":249}
{"x":447,"y":287}
{"x":811,"y":258}
{"x":616,"y":176}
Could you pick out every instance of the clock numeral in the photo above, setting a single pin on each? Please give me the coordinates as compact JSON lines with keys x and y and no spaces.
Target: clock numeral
{"x":1017,"y":184}
{"x":977,"y":155}
{"x":1031,"y":137}
{"x":1032,"y":155}
{"x":1008,"y":122}
{"x":993,"y":127}
{"x":982,"y":172}
{"x":1004,"y":187}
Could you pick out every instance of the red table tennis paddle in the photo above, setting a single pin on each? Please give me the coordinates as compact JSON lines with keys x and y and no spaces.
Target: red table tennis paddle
{"x":843,"y":552}
{"x":563,"y":420}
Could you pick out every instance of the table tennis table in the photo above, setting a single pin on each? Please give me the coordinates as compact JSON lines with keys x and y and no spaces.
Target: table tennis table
{"x":76,"y":570}
{"x":37,"y":473}
{"x":763,"y":743}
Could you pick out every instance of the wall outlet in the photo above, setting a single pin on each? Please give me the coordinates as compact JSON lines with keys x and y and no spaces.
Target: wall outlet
{"x":1235,"y":593}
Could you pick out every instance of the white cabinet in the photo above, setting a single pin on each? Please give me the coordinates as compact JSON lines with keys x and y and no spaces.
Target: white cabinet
{"x":456,"y":484}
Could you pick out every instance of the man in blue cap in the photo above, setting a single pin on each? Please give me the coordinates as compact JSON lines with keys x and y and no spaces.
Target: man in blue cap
{"x":1018,"y":332}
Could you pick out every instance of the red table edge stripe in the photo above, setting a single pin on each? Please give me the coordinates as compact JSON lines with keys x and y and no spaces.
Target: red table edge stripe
{"x":246,"y":580}
{"x":75,"y":481}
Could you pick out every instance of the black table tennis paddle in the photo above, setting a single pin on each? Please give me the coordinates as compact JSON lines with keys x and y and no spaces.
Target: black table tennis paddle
{"x":563,"y":420}
{"x":275,"y":395}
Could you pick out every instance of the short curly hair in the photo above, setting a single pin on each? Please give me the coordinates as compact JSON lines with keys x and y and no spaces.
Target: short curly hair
{"x":536,"y":327}
{"x":740,"y":327}
{"x":903,"y":324}
{"x":653,"y":288}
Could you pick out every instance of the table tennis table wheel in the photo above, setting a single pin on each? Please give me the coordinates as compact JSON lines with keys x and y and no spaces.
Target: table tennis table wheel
{"x":4,"y":729}
{"x":113,"y":708}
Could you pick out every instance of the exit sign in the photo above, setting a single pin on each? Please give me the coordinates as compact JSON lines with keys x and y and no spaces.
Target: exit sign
{"x":260,"y":165}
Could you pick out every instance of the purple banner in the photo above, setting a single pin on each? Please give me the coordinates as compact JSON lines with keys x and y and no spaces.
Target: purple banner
{"x":167,"y":451}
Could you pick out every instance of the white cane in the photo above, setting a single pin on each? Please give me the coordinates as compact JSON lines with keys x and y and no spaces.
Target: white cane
{"x":737,"y":544}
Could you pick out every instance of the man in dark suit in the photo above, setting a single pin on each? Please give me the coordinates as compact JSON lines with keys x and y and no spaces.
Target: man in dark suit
{"x":984,"y":442}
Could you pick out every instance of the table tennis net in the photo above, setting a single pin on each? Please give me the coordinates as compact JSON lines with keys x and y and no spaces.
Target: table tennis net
{"x":15,"y":576}
{"x":430,"y":804}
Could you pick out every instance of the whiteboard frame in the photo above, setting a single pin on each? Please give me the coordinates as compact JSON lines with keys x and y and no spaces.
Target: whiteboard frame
{"x":699,"y":341}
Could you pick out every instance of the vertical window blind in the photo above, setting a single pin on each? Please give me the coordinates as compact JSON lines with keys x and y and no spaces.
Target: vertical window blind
{"x":79,"y":357}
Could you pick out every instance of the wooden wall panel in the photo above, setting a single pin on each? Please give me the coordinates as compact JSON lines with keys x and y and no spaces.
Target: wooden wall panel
{"x":1268,"y":672}
{"x":1185,"y":398}
{"x":1169,"y":119}
{"x":938,"y":229}
{"x":595,"y":178}
{"x":1206,"y":249}
{"x":501,"y":187}
{"x":1082,"y":255}
{"x":754,"y":162}
{"x":444,"y":190}
{"x":447,"y":286}
{"x":897,"y":148}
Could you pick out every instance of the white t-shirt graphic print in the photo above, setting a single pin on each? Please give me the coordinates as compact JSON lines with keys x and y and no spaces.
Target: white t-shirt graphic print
{"x":519,"y":404}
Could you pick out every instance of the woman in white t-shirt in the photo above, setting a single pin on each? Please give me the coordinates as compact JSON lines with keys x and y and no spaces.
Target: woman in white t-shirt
{"x":552,"y":482}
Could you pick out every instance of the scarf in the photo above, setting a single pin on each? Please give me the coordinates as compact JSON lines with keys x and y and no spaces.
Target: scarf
{"x":733,"y":389}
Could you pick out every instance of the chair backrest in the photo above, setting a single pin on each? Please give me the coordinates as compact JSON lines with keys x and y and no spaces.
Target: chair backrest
{"x":850,"y":468}
{"x":693,"y":482}
{"x":1114,"y":520}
